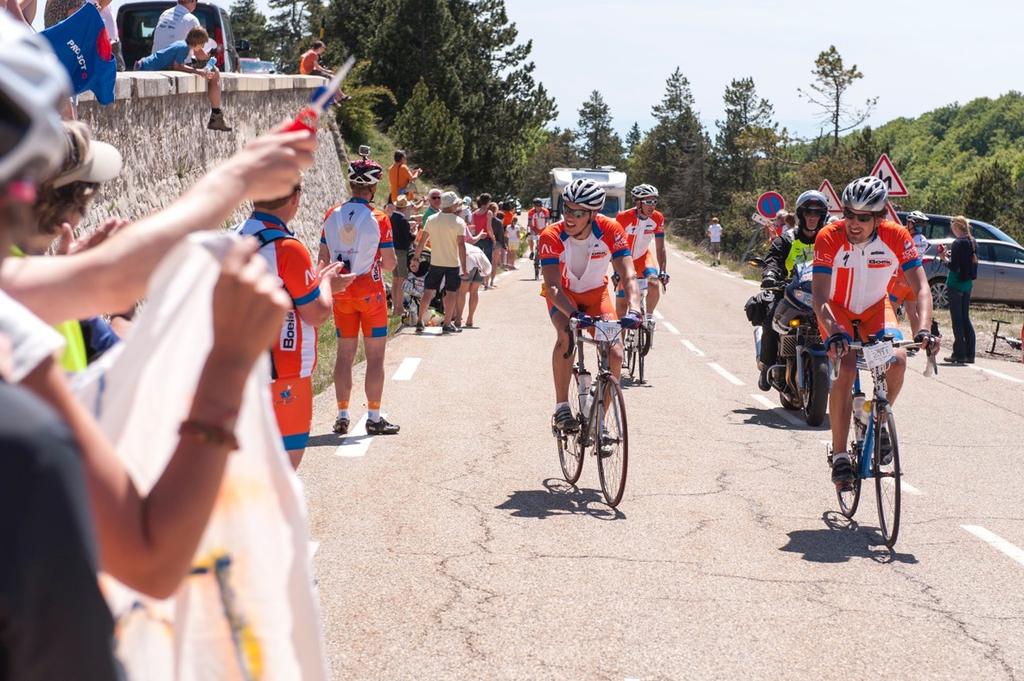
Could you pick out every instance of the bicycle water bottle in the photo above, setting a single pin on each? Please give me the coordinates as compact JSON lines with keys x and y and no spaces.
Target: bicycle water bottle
{"x":584,"y":385}
{"x":858,"y":409}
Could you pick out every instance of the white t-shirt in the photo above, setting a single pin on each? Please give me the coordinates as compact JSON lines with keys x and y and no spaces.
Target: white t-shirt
{"x":715,"y":232}
{"x":31,"y":339}
{"x":174,"y":25}
{"x":577,"y":256}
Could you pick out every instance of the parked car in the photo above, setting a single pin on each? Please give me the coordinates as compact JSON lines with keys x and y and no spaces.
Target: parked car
{"x":1000,"y":272}
{"x":938,"y":228}
{"x":136,"y":22}
{"x":253,"y":65}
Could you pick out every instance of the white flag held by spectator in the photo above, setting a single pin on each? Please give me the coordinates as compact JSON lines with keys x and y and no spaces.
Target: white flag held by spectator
{"x":248,"y":611}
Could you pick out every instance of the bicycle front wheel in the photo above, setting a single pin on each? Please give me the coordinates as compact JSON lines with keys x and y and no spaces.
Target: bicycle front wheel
{"x":887,"y":479}
{"x":570,"y":448}
{"x":849,"y":498}
{"x":612,"y":439}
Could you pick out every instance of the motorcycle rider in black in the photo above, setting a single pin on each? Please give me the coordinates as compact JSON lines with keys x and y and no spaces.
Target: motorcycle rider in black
{"x":794,"y":247}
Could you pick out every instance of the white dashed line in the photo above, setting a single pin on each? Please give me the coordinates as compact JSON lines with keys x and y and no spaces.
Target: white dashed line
{"x":997,"y":374}
{"x":750,"y":283}
{"x":777,"y":409}
{"x":671,"y":329}
{"x":658,"y":315}
{"x":676,"y":254}
{"x":313,"y":546}
{"x":692,"y":348}
{"x":996,"y":542}
{"x":406,"y":369}
{"x":725,"y":374}
{"x":356,"y":442}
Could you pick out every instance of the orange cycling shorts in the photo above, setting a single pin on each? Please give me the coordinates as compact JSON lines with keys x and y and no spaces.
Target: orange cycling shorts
{"x":367,"y":311}
{"x":595,"y":302}
{"x":878,"y":319}
{"x":900,"y":291}
{"x":293,"y":407}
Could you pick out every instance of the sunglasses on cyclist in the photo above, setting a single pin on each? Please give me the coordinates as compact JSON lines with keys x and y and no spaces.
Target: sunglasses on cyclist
{"x":859,"y":217}
{"x":649,"y":202}
{"x":577,"y":214}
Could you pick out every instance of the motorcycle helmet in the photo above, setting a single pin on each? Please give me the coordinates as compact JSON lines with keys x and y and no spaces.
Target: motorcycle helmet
{"x":808,"y":201}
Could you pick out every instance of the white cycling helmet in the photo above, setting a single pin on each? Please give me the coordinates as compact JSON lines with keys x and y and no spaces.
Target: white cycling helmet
{"x":33,"y":87}
{"x":866,"y":194}
{"x":586,"y":193}
{"x":811,"y":196}
{"x":364,"y":171}
{"x":917,"y":216}
{"x":644,"y":191}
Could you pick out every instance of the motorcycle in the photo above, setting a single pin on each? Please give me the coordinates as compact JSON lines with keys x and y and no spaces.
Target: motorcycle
{"x":802,"y":374}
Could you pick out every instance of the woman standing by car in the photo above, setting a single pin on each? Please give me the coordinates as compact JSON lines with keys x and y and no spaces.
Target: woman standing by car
{"x":962,"y":261}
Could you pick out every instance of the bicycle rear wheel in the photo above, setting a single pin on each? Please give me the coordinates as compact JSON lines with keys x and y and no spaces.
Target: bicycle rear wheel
{"x":887,"y":482}
{"x":570,"y":449}
{"x":612,"y":443}
{"x":629,"y":347}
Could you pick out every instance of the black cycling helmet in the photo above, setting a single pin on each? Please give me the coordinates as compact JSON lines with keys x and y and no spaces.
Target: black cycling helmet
{"x":811,"y":200}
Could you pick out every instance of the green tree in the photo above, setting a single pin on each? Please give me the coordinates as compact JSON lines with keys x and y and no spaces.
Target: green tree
{"x":828,"y":92}
{"x":599,"y":144}
{"x":747,"y":127}
{"x":991,"y":195}
{"x":633,"y":138}
{"x":356,"y":118}
{"x":248,"y":23}
{"x":427,"y":130}
{"x":674,"y":157}
{"x":552,"y":149}
{"x":293,"y":27}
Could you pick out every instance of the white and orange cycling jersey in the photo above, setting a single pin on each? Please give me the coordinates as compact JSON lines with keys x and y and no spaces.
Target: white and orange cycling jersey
{"x":537,"y":220}
{"x":354,"y":233}
{"x":861,"y":272}
{"x":584,"y":262}
{"x":641,"y":233}
{"x":294,"y":353}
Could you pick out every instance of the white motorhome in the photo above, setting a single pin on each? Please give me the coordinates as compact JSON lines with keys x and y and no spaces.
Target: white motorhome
{"x":613,"y":181}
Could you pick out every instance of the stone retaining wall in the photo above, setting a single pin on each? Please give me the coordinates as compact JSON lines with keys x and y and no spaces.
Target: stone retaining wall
{"x":158,"y":122}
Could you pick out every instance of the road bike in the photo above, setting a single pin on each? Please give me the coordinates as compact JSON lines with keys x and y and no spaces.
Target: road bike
{"x":639,"y":341}
{"x":872,"y":423}
{"x":600,"y":412}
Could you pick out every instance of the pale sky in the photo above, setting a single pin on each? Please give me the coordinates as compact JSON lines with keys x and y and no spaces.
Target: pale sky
{"x":915,"y":55}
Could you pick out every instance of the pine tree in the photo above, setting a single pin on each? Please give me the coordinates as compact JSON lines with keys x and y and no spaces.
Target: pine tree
{"x":599,"y":144}
{"x":741,"y":136}
{"x":551,"y":149}
{"x":248,"y":23}
{"x":429,"y":133}
{"x":828,"y":92}
{"x":633,"y":138}
{"x":294,"y":25}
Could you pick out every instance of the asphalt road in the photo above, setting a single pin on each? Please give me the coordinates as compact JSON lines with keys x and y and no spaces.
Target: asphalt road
{"x":455,"y":551}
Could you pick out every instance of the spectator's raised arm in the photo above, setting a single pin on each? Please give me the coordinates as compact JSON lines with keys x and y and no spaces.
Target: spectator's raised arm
{"x":112,"y":276}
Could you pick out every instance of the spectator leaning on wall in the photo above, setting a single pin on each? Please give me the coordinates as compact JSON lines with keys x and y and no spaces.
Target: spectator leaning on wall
{"x":172,"y":58}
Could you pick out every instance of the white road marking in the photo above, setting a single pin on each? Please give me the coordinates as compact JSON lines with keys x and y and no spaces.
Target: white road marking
{"x":692,"y":348}
{"x":725,"y":374}
{"x":723,"y":274}
{"x":313,"y":546}
{"x":904,"y":485}
{"x":997,"y":374}
{"x":671,"y":329}
{"x":777,"y":409}
{"x":750,"y":283}
{"x":658,"y":315}
{"x":406,"y":369}
{"x":356,"y":442}
{"x":996,"y":542}
{"x":676,"y":254}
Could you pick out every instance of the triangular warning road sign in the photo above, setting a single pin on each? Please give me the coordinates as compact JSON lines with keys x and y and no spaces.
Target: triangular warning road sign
{"x":835,"y":206}
{"x":885,"y":171}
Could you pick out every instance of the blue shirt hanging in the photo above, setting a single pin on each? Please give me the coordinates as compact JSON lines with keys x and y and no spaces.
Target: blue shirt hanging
{"x":83,"y":47}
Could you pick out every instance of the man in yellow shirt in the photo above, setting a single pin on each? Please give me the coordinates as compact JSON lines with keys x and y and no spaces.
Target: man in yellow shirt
{"x":447,"y":259}
{"x":400,"y":176}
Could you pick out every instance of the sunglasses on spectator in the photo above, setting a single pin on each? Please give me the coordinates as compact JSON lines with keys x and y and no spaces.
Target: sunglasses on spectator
{"x":650,"y":202}
{"x":577,"y":213}
{"x":859,"y":217}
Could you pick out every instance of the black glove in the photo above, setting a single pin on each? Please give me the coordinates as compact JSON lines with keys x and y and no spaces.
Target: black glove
{"x":769,"y":281}
{"x":841,"y":341}
{"x":663,"y":276}
{"x":928,"y":342}
{"x":632,"y":320}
